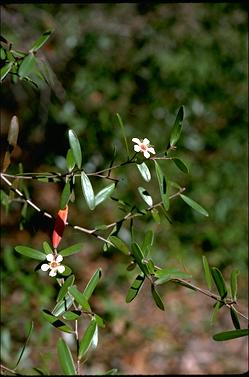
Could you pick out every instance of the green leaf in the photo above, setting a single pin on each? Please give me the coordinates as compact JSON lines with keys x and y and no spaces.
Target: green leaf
{"x":157,"y":298}
{"x":63,"y":305}
{"x":27,"y":65}
{"x":146,"y":196}
{"x":40,"y":41}
{"x":194,"y":205}
{"x":219,"y":282}
{"x":207,"y":272}
{"x":31,"y":253}
{"x":162,"y":186}
{"x":217,"y":307}
{"x":70,"y":160}
{"x":123,"y":132}
{"x":64,"y":288}
{"x":181,"y":165}
{"x":72,"y":315}
{"x":75,"y":147}
{"x":87,"y":190}
{"x":134,"y":288}
{"x":167,"y":274}
{"x":5,"y":70}
{"x":87,"y":339}
{"x":147,"y":242}
{"x":227,"y":335}
{"x":47,"y":248}
{"x":56,"y":322}
{"x":65,"y":358}
{"x":104,"y":194}
{"x":155,"y":215}
{"x":79,"y":297}
{"x":76,"y":248}
{"x":139,"y":257}
{"x":144,"y":171}
{"x":120,"y":244}
{"x":177,"y":128}
{"x":234,"y":284}
{"x":25,"y":344}
{"x":91,"y":285}
{"x":235,"y":318}
{"x":65,"y":196}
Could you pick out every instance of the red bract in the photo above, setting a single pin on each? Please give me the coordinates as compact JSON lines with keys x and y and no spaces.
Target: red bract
{"x":59,"y":226}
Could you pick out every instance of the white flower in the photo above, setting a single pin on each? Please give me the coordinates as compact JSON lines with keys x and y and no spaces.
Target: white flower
{"x":143,"y":146}
{"x":53,"y":265}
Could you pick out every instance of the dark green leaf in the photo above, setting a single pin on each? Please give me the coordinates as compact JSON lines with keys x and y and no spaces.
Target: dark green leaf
{"x":29,"y":252}
{"x":119,"y":244}
{"x":27,"y":65}
{"x":47,"y":248}
{"x":104,"y":194}
{"x":87,"y":339}
{"x":139,"y":257}
{"x":181,"y":165}
{"x":40,"y":41}
{"x":157,"y":298}
{"x":87,"y":190}
{"x":56,"y":322}
{"x":177,"y":128}
{"x":134,"y":288}
{"x":147,"y":242}
{"x":227,"y":335}
{"x":194,"y":205}
{"x":79,"y":297}
{"x":70,"y":160}
{"x":167,"y":274}
{"x":5,"y":70}
{"x":234,"y":284}
{"x":64,"y":288}
{"x":144,"y":171}
{"x":65,"y":196}
{"x":131,"y":266}
{"x":162,"y":186}
{"x":76,"y":248}
{"x":235,"y":318}
{"x":72,"y":315}
{"x":219,"y":282}
{"x":63,"y":305}
{"x":91,"y":285}
{"x":75,"y":147}
{"x":207,"y":272}
{"x":123,"y":132}
{"x":65,"y":358}
{"x":67,"y":271}
{"x":146,"y":196}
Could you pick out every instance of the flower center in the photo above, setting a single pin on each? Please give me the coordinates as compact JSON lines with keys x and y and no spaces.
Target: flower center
{"x":54,"y":264}
{"x":143,"y":147}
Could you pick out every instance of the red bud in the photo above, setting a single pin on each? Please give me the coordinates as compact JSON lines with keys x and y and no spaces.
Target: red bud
{"x":59,"y":226}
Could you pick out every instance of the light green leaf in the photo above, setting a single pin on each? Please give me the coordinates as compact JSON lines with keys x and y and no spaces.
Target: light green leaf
{"x":217,"y":307}
{"x":56,"y":322}
{"x":157,"y":298}
{"x":104,"y":194}
{"x":147,"y":242}
{"x":79,"y":297}
{"x":135,"y":287}
{"x":65,"y":358}
{"x":227,"y":335}
{"x":47,"y":248}
{"x":177,"y":128}
{"x":63,"y":305}
{"x":75,"y":147}
{"x":144,"y":171}
{"x":219,"y":282}
{"x":181,"y":165}
{"x":31,"y":253}
{"x":72,"y":315}
{"x":163,"y":186}
{"x":146,"y":196}
{"x":87,"y":190}
{"x":65,"y":196}
{"x":87,"y":339}
{"x":27,"y":65}
{"x":167,"y":274}
{"x":91,"y":285}
{"x":234,"y":284}
{"x":5,"y":70}
{"x":155,"y":215}
{"x":139,"y":257}
{"x":70,"y":160}
{"x":207,"y":272}
{"x":64,"y":288}
{"x":194,"y":205}
{"x":120,"y":244}
{"x":40,"y":41}
{"x":76,"y":248}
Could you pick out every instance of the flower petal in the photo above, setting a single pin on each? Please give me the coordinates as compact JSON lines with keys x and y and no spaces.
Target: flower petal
{"x":45,"y":267}
{"x":137,"y":148}
{"x":61,"y":269}
{"x":136,"y":140}
{"x":50,"y":257}
{"x":59,"y":258}
{"x":151,"y":150}
{"x":146,"y":141}
{"x":53,"y":272}
{"x":146,"y":154}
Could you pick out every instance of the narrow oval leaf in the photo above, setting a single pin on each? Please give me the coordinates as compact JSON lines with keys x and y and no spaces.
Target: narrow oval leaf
{"x":162,"y":182}
{"x":65,"y":358}
{"x":207,"y":272}
{"x":134,"y":288}
{"x":144,"y":171}
{"x":27,"y":65}
{"x":146,"y":196}
{"x":155,"y":215}
{"x":194,"y":205}
{"x":157,"y":298}
{"x":31,"y":253}
{"x":63,"y":305}
{"x":75,"y":147}
{"x":65,"y":196}
{"x":227,"y":335}
{"x":64,"y":289}
{"x":72,"y":315}
{"x":235,"y":318}
{"x":167,"y":274}
{"x":217,"y":307}
{"x":181,"y":165}
{"x":76,"y":248}
{"x":139,"y":257}
{"x":70,"y":160}
{"x":177,"y":128}
{"x":219,"y":282}
{"x":147,"y":242}
{"x":47,"y":248}
{"x":87,"y":339}
{"x":87,"y":190}
{"x":119,"y":244}
{"x":40,"y":41}
{"x":79,"y":297}
{"x":91,"y":285}
{"x":234,"y":284}
{"x":5,"y":70}
{"x":104,"y":194}
{"x":56,"y":322}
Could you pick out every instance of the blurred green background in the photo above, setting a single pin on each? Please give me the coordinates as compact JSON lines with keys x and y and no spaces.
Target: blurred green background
{"x":143,"y":62}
